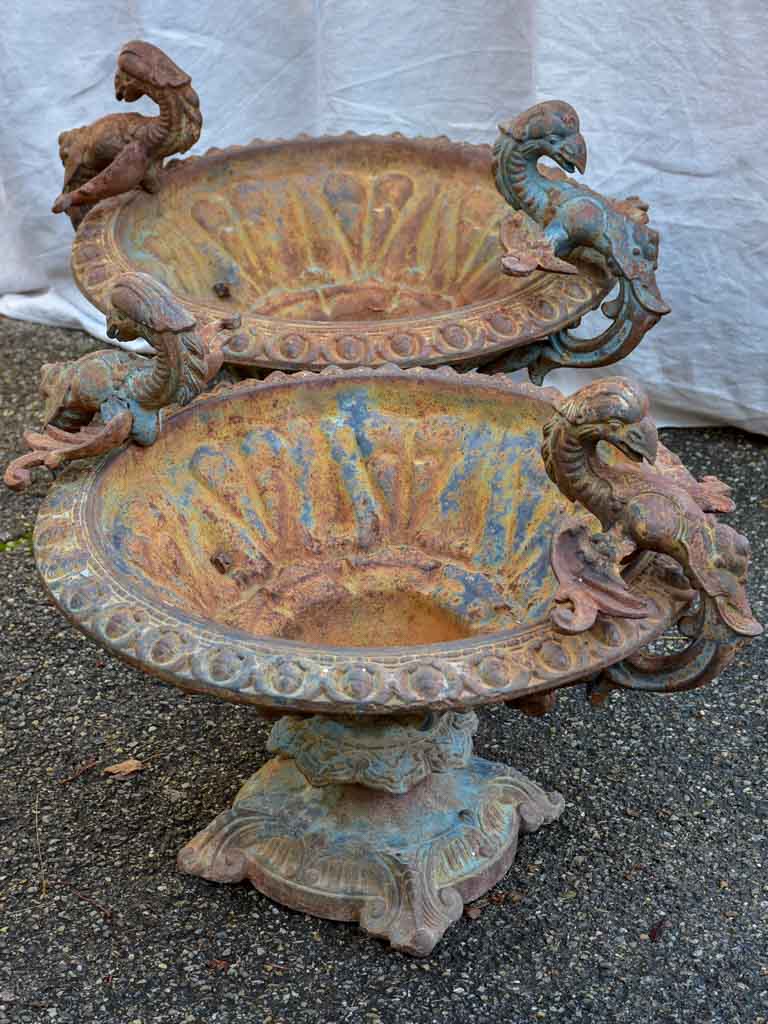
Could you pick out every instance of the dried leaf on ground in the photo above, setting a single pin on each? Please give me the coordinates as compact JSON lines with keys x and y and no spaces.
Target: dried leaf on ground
{"x":474,"y":910}
{"x":123,"y":768}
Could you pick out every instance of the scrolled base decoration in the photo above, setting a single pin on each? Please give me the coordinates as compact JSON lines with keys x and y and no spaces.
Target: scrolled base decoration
{"x":711,"y":648}
{"x":402,"y":865}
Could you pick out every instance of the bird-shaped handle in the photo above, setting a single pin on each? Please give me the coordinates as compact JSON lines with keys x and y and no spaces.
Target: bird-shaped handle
{"x":555,"y":216}
{"x":601,"y":449}
{"x":98,"y":402}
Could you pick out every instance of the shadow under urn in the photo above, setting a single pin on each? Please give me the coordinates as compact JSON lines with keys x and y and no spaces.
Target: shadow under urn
{"x":366,"y":556}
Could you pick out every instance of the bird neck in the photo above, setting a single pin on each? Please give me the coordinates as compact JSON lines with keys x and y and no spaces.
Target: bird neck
{"x":518,"y":178}
{"x":154,"y":385}
{"x":575,"y":466}
{"x":176,"y":374}
{"x":178,"y":124}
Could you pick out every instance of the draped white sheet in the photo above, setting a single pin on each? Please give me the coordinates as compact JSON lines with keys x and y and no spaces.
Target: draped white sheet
{"x":672,"y":98}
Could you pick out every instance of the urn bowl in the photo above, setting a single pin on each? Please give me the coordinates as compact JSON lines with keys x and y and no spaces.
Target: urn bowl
{"x":348,"y":251}
{"x":363,"y":542}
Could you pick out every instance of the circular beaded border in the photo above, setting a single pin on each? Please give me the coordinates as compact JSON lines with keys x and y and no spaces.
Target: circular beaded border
{"x":472,"y":334}
{"x":201,"y":656}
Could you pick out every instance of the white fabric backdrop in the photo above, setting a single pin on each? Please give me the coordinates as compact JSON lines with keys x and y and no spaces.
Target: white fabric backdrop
{"x":672,"y":97}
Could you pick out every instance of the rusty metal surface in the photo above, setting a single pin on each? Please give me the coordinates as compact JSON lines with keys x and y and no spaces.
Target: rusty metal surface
{"x":643,"y":509}
{"x":97,"y":402}
{"x":357,"y":251}
{"x":336,"y":251}
{"x":121,"y":152}
{"x":556,"y":216}
{"x":404,"y":517}
{"x":402,"y":865}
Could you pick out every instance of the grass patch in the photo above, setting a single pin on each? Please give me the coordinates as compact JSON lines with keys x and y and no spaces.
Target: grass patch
{"x":24,"y":542}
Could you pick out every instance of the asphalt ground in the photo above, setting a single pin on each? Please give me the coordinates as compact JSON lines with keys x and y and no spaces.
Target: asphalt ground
{"x":647,"y":902}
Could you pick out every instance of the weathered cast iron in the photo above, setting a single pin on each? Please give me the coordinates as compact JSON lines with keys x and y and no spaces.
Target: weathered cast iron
{"x":121,"y":152}
{"x":571,"y":215}
{"x":369,"y":553}
{"x":526,"y":248}
{"x":648,"y":511}
{"x":354,"y":251}
{"x":366,"y":556}
{"x":97,"y":402}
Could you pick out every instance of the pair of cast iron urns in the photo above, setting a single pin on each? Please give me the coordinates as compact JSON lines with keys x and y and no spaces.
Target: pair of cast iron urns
{"x":368,"y":551}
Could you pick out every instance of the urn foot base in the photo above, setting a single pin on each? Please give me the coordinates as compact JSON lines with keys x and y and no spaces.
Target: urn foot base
{"x":403,"y":865}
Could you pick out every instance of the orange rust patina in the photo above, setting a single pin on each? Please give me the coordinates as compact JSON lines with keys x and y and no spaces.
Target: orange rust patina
{"x":358,"y":251}
{"x":373,"y":540}
{"x":349,"y":251}
{"x":369,"y":553}
{"x":366,"y":555}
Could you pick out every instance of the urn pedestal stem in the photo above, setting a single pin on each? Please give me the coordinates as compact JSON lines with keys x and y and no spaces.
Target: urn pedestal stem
{"x":392,"y":824}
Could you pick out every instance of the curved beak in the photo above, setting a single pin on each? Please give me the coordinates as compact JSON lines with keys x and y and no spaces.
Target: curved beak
{"x":126,"y":89}
{"x":573,"y":152}
{"x":639,"y":441}
{"x":120,"y":329}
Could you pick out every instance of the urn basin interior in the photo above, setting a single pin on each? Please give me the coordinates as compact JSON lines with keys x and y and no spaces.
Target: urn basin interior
{"x":346,"y":229}
{"x":347,"y":250}
{"x":372,"y":513}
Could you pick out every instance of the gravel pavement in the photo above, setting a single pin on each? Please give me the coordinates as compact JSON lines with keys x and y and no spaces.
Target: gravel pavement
{"x":646,"y":903}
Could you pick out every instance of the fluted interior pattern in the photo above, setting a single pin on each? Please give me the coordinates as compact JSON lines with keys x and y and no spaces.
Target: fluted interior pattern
{"x":351,"y":512}
{"x":338,"y":229}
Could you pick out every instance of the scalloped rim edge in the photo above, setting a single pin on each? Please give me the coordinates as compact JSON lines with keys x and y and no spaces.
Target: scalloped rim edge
{"x":484,"y":669}
{"x":480,"y":339}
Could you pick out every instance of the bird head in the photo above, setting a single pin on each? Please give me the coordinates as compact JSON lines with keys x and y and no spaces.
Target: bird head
{"x":127,"y":89}
{"x":140,"y":306}
{"x":614,"y":411}
{"x":143,"y":69}
{"x":550,"y":129}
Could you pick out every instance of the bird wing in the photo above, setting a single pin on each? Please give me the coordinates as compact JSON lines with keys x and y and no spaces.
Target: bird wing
{"x":586,"y":567}
{"x":709,"y":493}
{"x":123,"y":174}
{"x":528,"y":248}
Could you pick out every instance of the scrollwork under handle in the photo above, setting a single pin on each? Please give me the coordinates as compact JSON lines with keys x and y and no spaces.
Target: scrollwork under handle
{"x":97,"y":402}
{"x":557,"y":215}
{"x":630,"y":321}
{"x":711,"y":648}
{"x":642,"y":509}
